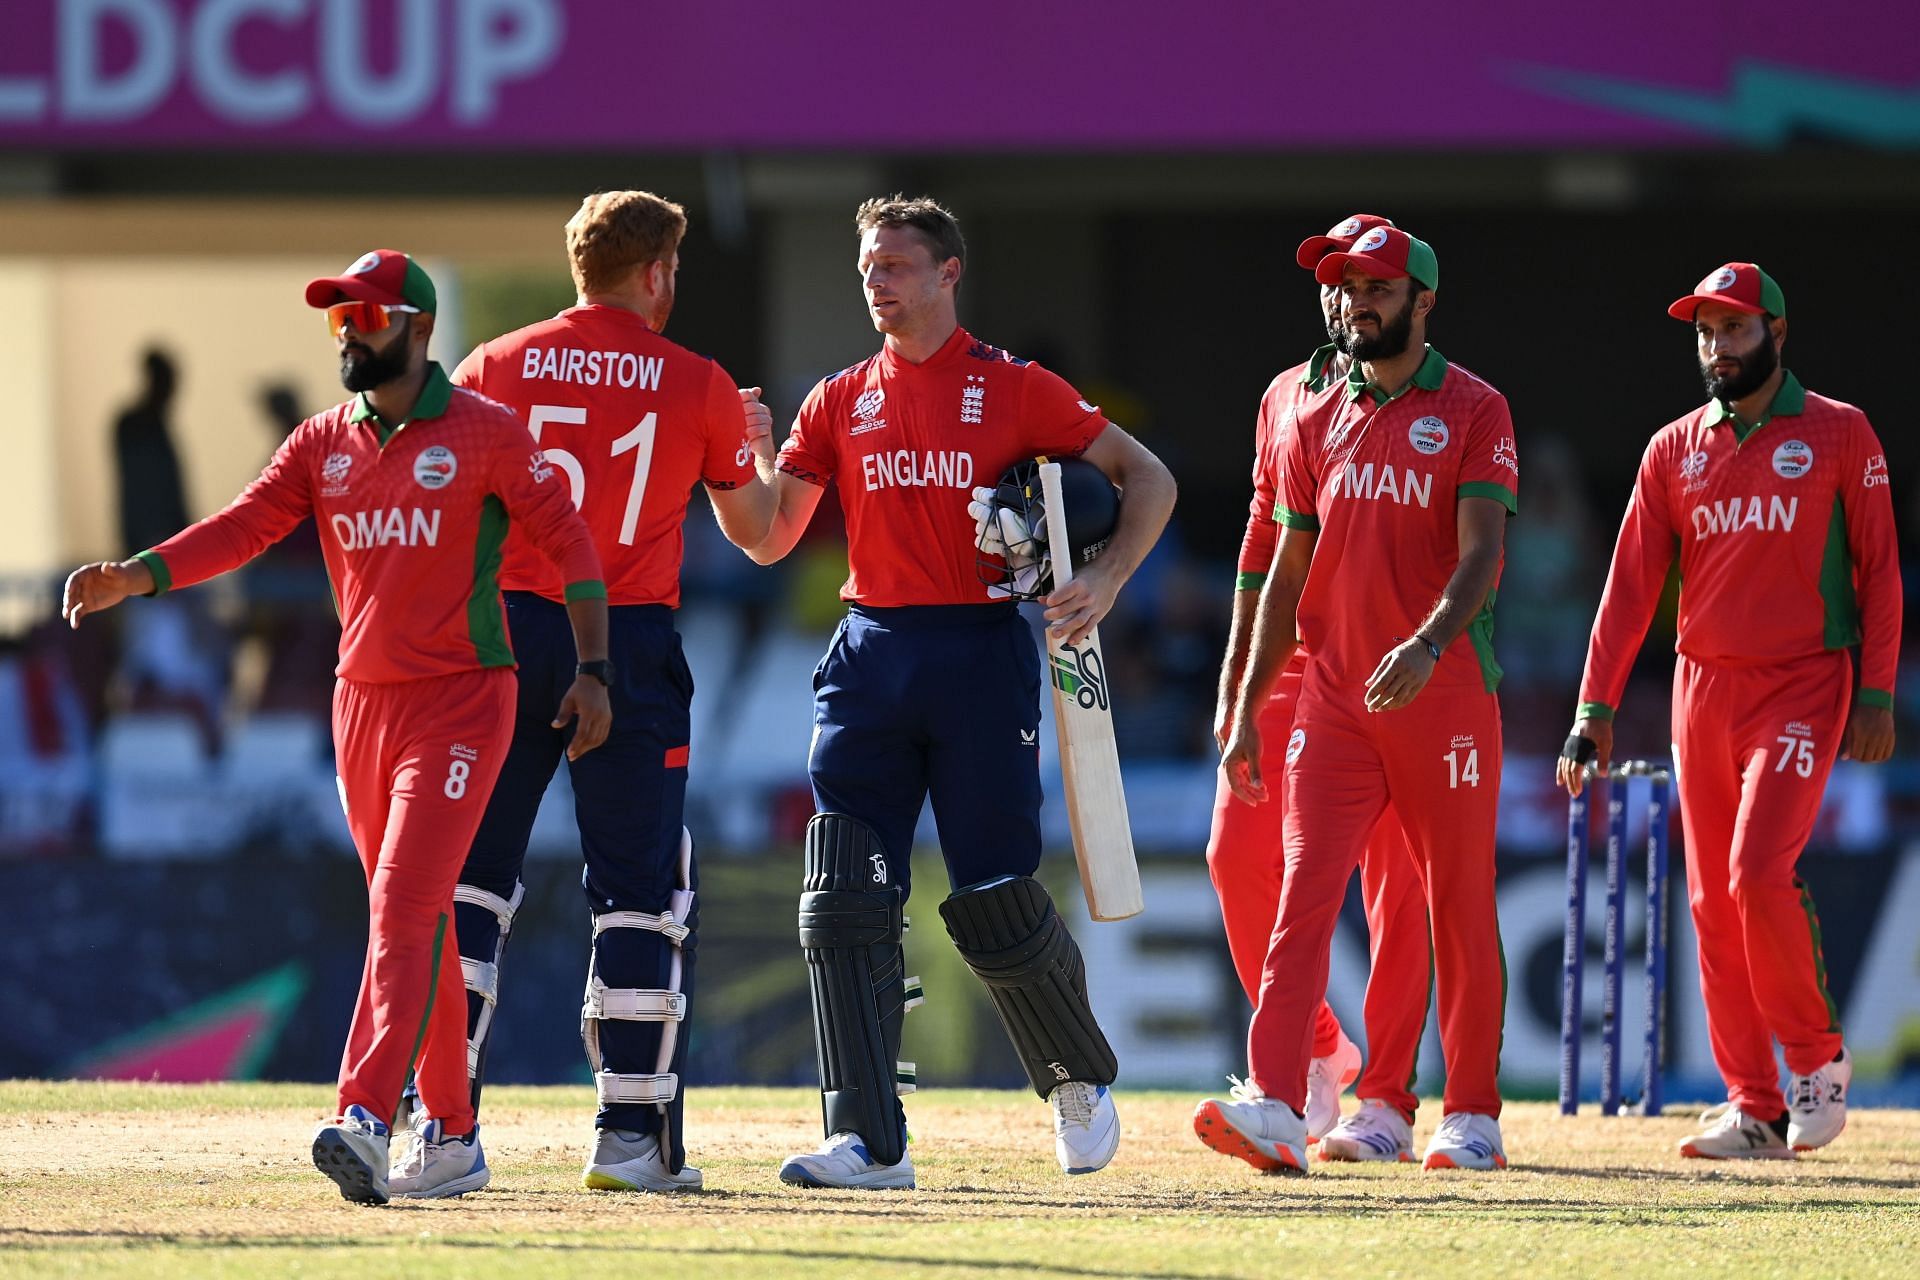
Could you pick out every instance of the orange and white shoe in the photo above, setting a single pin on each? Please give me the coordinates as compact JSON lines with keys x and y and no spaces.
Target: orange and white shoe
{"x":1817,"y":1104}
{"x":1327,"y":1079}
{"x":1732,"y":1134}
{"x":1248,"y":1125}
{"x":1375,"y":1132}
{"x":1465,"y":1140}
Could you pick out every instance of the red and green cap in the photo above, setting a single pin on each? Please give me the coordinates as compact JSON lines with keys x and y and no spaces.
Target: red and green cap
{"x":1740,"y":285}
{"x":1385,"y":253}
{"x":1339,"y":236}
{"x":385,"y":276}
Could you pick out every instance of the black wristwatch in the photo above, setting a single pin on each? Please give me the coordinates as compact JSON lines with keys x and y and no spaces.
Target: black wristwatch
{"x":1433,"y":650}
{"x":600,"y":669}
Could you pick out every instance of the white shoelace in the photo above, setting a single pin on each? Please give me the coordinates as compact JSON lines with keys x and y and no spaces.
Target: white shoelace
{"x":1073,"y":1102}
{"x":1244,"y":1090}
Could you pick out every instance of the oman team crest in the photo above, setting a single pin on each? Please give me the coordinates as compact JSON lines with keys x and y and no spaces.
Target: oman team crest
{"x":1793,"y":459}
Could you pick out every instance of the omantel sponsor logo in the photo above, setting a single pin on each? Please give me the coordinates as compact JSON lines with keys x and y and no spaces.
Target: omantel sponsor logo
{"x":1876,"y":473}
{"x":1430,"y":435}
{"x":386,"y":527}
{"x":1793,"y":460}
{"x":435,"y":467}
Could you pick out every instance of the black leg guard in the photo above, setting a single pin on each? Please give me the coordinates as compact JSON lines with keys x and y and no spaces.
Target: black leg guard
{"x":1015,"y":942}
{"x":850,"y":931}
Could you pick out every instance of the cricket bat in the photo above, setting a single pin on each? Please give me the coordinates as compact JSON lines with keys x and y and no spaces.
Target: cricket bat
{"x":1089,"y":760}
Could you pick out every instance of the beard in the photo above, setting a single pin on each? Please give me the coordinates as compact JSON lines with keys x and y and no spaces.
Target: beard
{"x":363,"y":369}
{"x":1337,"y":333}
{"x":662,"y":308}
{"x":1394,"y":337}
{"x":1754,"y":369}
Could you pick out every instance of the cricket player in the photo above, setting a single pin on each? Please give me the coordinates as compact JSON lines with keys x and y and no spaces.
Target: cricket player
{"x":1394,"y":497}
{"x":413,"y":483}
{"x":1776,"y":504}
{"x":632,"y":423}
{"x":1244,"y":849}
{"x":930,"y":685}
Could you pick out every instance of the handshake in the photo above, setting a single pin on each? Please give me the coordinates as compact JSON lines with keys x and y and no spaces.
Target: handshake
{"x":1018,"y":537}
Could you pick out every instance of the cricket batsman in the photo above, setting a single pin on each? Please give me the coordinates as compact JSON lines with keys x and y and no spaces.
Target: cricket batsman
{"x":1394,"y":497}
{"x":1244,"y":849}
{"x":632,"y":423}
{"x":931,"y":685}
{"x":412,"y":483}
{"x":1776,"y":504}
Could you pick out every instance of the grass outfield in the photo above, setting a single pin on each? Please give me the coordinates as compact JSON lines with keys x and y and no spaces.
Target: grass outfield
{"x":172,"y":1181}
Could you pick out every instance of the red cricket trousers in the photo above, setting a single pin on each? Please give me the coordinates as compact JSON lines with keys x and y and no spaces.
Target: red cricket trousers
{"x":417,"y":761}
{"x":1437,"y":763}
{"x":1246,"y":858}
{"x":1753,"y":749}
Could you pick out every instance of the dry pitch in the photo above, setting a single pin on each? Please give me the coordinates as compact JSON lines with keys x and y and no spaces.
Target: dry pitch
{"x":163,"y":1181}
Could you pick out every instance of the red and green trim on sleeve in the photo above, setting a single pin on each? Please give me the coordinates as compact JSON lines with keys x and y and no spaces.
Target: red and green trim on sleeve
{"x":162,"y":576}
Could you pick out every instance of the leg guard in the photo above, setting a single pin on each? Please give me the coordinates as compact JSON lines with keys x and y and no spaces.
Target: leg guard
{"x":640,"y":974}
{"x":850,"y":927}
{"x":482,"y":922}
{"x":1014,"y":941}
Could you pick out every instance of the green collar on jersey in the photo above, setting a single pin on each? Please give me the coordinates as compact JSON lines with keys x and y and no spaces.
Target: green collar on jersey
{"x":1790,"y":399}
{"x":1314,"y":376}
{"x":435,"y":396}
{"x":1428,"y":377}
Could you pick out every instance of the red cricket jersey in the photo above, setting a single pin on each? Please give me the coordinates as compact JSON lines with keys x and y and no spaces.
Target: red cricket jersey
{"x":909,"y":443}
{"x":1380,"y":481}
{"x":632,"y":421}
{"x":1786,"y":542}
{"x":411,"y":527}
{"x":1286,"y":398}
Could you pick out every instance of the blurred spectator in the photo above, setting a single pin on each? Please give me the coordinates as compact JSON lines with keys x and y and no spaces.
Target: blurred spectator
{"x":174,"y":656}
{"x":292,"y":632}
{"x":44,"y":743}
{"x":153,"y":501}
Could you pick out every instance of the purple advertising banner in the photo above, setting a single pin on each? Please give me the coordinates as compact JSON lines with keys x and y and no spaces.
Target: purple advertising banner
{"x":1034,"y":74}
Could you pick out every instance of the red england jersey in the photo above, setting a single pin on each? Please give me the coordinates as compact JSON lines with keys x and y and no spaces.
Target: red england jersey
{"x":910,"y":441}
{"x":411,"y":526}
{"x":632,"y":421}
{"x":1380,"y":480}
{"x":1786,"y":542}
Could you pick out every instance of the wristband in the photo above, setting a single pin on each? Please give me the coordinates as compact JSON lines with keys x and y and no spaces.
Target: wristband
{"x":599,"y":668}
{"x":1433,"y":650}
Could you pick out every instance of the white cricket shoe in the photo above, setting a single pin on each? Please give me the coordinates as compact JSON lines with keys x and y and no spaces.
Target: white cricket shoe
{"x":627,"y":1161}
{"x":1086,"y":1128}
{"x":1327,"y":1078}
{"x":843,"y":1161}
{"x":1466,"y":1140}
{"x":1735,"y":1135}
{"x":1250,"y":1126}
{"x":1375,"y":1132}
{"x":353,"y":1152}
{"x":434,"y":1165}
{"x":1817,"y":1104}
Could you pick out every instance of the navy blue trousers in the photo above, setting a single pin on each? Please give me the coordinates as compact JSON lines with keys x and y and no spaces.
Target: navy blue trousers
{"x":629,"y":800}
{"x":940,"y":700}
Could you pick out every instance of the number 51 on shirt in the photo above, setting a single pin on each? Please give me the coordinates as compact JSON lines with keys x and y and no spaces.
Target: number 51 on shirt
{"x":1089,"y":758}
{"x":638,"y":441}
